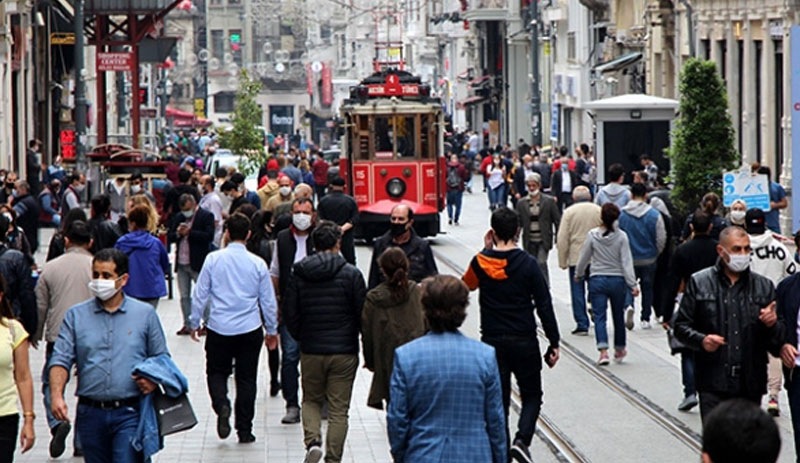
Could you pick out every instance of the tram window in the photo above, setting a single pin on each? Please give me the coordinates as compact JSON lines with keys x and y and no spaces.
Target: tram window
{"x":427,"y":136}
{"x":383,"y":130}
{"x":405,"y":135}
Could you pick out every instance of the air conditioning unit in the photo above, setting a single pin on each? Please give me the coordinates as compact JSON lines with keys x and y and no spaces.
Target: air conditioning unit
{"x":622,"y":36}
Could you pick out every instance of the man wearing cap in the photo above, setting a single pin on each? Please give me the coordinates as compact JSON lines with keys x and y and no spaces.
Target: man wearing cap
{"x":341,"y":208}
{"x":250,"y":196}
{"x":773,"y":260}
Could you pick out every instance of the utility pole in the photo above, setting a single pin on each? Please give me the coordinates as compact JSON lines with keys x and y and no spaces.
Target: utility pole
{"x":536,"y":88}
{"x":80,"y":90}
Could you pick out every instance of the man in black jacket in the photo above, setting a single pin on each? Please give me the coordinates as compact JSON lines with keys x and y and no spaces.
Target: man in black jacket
{"x":105,"y":232}
{"x":291,"y":246}
{"x":16,"y":270}
{"x":727,"y":314}
{"x":341,"y":209}
{"x":401,"y":234}
{"x":562,"y":182}
{"x":322,"y":305}
{"x":788,"y":305}
{"x":27,"y":208}
{"x":33,"y":165}
{"x":192,"y":231}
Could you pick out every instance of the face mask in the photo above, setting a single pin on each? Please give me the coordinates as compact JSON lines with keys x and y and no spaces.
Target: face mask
{"x":285,"y":190}
{"x":301,"y":221}
{"x":136,"y":188}
{"x":10,"y":185}
{"x":529,"y":165}
{"x":397,"y":229}
{"x":103,"y":289}
{"x":533,"y":192}
{"x":738,"y":216}
{"x":738,"y":262}
{"x":2,"y":178}
{"x":564,"y":167}
{"x":80,"y":188}
{"x":187,"y":214}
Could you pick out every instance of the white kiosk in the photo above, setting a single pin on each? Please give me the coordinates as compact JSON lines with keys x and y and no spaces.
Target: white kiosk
{"x":629,"y":126}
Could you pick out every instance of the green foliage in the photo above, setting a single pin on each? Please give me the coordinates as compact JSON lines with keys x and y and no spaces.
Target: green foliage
{"x":245,"y":138}
{"x":703,"y":137}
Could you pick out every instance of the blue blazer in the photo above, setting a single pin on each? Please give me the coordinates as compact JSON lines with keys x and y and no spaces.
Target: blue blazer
{"x":446,"y":403}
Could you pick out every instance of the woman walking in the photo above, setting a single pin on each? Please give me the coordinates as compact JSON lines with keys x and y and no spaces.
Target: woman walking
{"x":608,"y":255}
{"x":496,"y":182}
{"x":392,"y":316}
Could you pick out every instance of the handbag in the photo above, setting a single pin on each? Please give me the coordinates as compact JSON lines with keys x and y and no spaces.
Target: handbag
{"x":174,"y":414}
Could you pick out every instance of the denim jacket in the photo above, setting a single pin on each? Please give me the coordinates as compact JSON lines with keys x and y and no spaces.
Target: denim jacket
{"x":163,"y":371}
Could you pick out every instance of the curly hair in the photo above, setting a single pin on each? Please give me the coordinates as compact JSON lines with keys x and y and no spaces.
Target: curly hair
{"x":394,"y":265}
{"x":444,"y":300}
{"x":152,"y":215}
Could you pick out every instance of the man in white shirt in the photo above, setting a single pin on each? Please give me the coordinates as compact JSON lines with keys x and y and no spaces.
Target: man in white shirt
{"x":213,"y":204}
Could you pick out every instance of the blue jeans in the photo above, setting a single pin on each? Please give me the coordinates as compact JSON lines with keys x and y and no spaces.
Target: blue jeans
{"x":186,"y":276}
{"x":495,"y":196}
{"x":578,"y":296}
{"x":646,"y":276}
{"x":687,"y":373}
{"x":601,"y":290}
{"x":107,"y":434}
{"x":289,"y":365}
{"x":454,"y":202}
{"x":52,"y":422}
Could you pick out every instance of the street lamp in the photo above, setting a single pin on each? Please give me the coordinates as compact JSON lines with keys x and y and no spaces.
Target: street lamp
{"x":536,"y":89}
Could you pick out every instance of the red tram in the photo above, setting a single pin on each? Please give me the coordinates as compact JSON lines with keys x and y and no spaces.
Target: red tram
{"x":393,"y":151}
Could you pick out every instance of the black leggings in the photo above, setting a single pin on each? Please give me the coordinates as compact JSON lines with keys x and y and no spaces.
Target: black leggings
{"x":274,"y":358}
{"x":9,"y":426}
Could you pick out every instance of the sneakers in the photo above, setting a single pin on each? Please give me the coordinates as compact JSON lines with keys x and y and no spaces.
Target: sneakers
{"x":772,"y":407}
{"x":603,"y":360}
{"x":313,"y":453}
{"x":688,"y":403}
{"x":619,"y":355}
{"x":450,"y":222}
{"x":58,"y":441}
{"x":629,"y":318}
{"x":223,"y":423}
{"x":520,"y":452}
{"x":292,"y":415}
{"x":580,"y":332}
{"x":646,"y":325}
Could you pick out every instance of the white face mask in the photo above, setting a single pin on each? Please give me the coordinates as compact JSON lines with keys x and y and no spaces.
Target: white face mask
{"x":301,"y":221}
{"x":103,"y":289}
{"x":285,"y":190}
{"x":136,"y":188}
{"x":738,"y":262}
{"x":533,"y":192}
{"x":738,"y":216}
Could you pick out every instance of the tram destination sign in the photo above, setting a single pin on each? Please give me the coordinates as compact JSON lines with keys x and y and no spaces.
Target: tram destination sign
{"x":393,"y":87}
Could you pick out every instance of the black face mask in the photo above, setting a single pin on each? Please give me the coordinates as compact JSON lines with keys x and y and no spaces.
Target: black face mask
{"x":397,"y":229}
{"x":10,"y":186}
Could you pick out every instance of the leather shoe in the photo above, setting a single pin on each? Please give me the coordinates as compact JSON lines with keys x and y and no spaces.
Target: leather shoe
{"x":184,"y":331}
{"x":247,"y":438}
{"x":223,"y":423}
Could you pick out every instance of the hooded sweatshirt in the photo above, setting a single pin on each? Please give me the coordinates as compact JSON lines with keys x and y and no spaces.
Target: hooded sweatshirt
{"x":323,"y":303}
{"x":607,"y":254}
{"x":508,"y":280}
{"x":771,"y":258}
{"x":613,"y":193}
{"x":148,"y":263}
{"x":645,"y":229}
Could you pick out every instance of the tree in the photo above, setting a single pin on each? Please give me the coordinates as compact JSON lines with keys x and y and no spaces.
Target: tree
{"x":244,"y":138}
{"x":703,"y":137}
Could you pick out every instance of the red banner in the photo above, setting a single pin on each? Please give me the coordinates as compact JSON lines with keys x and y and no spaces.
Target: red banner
{"x":115,"y":61}
{"x":327,"y":85}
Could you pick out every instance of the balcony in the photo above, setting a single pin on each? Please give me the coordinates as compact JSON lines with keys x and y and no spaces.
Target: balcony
{"x":487,"y":10}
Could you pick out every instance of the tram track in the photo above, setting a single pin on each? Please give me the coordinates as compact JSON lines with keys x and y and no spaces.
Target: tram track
{"x":558,"y":442}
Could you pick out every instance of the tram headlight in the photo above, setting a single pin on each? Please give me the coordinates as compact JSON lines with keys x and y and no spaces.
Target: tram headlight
{"x":396,"y":187}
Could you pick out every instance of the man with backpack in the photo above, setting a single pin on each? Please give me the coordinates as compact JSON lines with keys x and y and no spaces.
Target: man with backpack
{"x":456,"y":177}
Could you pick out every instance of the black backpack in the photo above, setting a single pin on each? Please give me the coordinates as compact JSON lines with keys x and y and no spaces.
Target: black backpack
{"x":453,"y":179}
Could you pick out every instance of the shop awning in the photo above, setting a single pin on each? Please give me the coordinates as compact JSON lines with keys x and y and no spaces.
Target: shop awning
{"x":618,"y":63}
{"x":471,"y":101}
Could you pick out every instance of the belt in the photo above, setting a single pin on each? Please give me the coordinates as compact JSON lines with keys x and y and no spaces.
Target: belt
{"x":109,"y":404}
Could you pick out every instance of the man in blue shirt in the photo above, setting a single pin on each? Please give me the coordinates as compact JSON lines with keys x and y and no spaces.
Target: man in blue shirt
{"x":777,"y":201}
{"x":238,"y":286}
{"x":106,"y":337}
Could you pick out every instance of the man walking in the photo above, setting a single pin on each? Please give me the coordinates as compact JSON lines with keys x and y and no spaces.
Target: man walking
{"x":401,"y":234}
{"x":577,"y":221}
{"x":539,"y":218}
{"x":444,"y":381}
{"x":27,"y":208}
{"x":614,"y":191}
{"x":341,"y":209}
{"x":562,"y":183}
{"x":510,"y":282}
{"x":322,"y":305}
{"x":191,"y":231}
{"x":291,"y":246}
{"x":109,"y":329}
{"x":63,"y":283}
{"x":647,"y":237}
{"x":237,"y":285}
{"x":211,"y":202}
{"x":457,"y":175}
{"x":727,"y":315}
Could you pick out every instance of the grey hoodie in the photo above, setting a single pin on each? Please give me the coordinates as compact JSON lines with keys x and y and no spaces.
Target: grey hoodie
{"x":609,"y":255}
{"x":613,"y":193}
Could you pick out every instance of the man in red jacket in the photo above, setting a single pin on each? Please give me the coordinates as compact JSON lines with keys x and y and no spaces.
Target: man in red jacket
{"x":320,"y":171}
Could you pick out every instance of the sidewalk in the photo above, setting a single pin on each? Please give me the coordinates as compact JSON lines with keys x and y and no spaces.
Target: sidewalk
{"x":275,"y":442}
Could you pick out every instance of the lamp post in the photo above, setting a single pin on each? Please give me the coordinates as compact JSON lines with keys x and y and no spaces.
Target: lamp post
{"x":536,"y":89}
{"x":80,"y":90}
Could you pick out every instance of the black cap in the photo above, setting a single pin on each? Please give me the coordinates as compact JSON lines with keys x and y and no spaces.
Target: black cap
{"x":756,"y":221}
{"x":337,"y":181}
{"x":237,"y":178}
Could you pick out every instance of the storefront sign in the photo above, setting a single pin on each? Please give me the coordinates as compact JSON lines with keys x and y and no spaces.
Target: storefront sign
{"x":115,"y":61}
